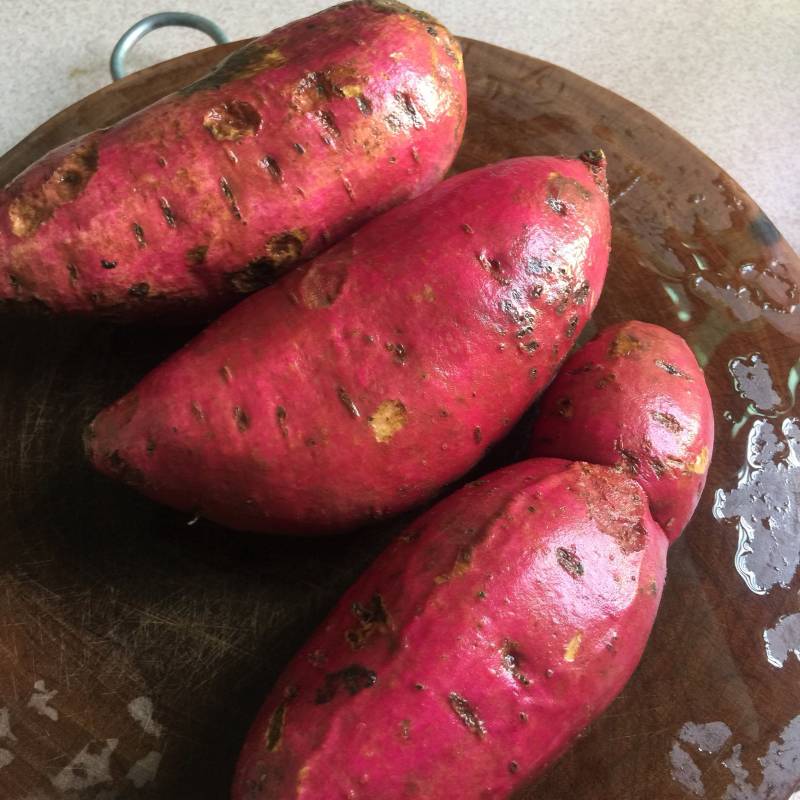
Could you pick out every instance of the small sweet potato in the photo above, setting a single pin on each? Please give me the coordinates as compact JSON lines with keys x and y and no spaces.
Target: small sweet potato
{"x":473,"y":650}
{"x":634,"y":396}
{"x":288,"y":145}
{"x":363,"y":382}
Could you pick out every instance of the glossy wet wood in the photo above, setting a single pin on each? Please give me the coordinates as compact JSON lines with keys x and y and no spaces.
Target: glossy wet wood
{"x":119,"y":606}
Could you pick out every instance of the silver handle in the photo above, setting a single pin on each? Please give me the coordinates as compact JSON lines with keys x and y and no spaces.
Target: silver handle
{"x":163,"y":20}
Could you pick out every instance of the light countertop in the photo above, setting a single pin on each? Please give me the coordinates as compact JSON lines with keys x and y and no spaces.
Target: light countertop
{"x":724,"y":73}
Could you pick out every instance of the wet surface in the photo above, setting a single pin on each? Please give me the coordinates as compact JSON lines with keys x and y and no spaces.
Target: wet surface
{"x":109,"y":602}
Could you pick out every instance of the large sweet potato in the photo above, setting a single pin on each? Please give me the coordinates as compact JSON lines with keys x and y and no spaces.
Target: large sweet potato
{"x":473,"y":650}
{"x":634,"y":396}
{"x":291,"y":143}
{"x":363,"y":382}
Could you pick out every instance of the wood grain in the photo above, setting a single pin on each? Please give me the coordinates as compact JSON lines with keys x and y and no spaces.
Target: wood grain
{"x":120,"y":606}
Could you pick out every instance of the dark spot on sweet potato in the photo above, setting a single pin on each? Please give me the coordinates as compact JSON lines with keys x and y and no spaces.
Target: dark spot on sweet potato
{"x":511,"y":658}
{"x":477,"y":435}
{"x":399,"y":351}
{"x":630,"y":461}
{"x":405,"y":728}
{"x":625,"y":345}
{"x":606,"y":380}
{"x":348,"y":187}
{"x":353,"y":679}
{"x":554,"y":204}
{"x":667,"y":420}
{"x":492,"y":267}
{"x":275,"y":727}
{"x":227,"y":193}
{"x":280,"y":415}
{"x":467,"y":228}
{"x":658,"y":466}
{"x":467,"y":714}
{"x":564,"y":407}
{"x":150,"y":447}
{"x":65,"y":183}
{"x":572,"y":326}
{"x":286,"y":247}
{"x":197,"y":411}
{"x":513,"y":767}
{"x":272,"y":167}
{"x":481,"y":595}
{"x":232,"y":121}
{"x":323,"y":283}
{"x":461,"y":566}
{"x":161,"y":161}
{"x":347,"y":402}
{"x":393,"y":123}
{"x":243,"y":63}
{"x":409,"y":109}
{"x":138,"y":233}
{"x":419,"y":687}
{"x":225,"y":372}
{"x":166,"y":211}
{"x":242,"y":419}
{"x":536,"y":291}
{"x":196,"y":255}
{"x":548,"y":673}
{"x":327,"y":122}
{"x":106,"y":264}
{"x":73,"y":272}
{"x":569,"y":562}
{"x":300,"y":149}
{"x":373,"y":620}
{"x":139,"y":289}
{"x":595,"y":160}
{"x":671,"y":369}
{"x":363,"y":104}
{"x":581,"y":293}
{"x":123,"y":470}
{"x":523,"y":716}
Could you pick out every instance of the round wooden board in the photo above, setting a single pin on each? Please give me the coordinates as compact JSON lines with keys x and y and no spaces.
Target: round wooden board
{"x":135,"y":647}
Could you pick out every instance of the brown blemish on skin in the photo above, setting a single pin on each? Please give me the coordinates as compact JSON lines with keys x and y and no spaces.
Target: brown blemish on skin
{"x":671,"y":369}
{"x":138,"y":233}
{"x":347,"y":402}
{"x":166,"y":212}
{"x":572,"y":326}
{"x":532,"y":373}
{"x":286,"y":247}
{"x":364,"y":105}
{"x":624,"y":345}
{"x":399,"y":351}
{"x":461,"y":566}
{"x":405,"y":728}
{"x":373,"y":619}
{"x":106,"y":264}
{"x":328,"y":123}
{"x":197,"y":411}
{"x":281,"y":251}
{"x":492,"y":266}
{"x":387,"y":419}
{"x":564,"y":407}
{"x":272,"y":167}
{"x":280,"y":415}
{"x":353,"y":679}
{"x":299,"y":148}
{"x":569,"y":562}
{"x":73,"y":272}
{"x":565,"y":194}
{"x":244,"y":63}
{"x":477,"y":435}
{"x":65,"y":183}
{"x":275,"y":727}
{"x":196,"y":255}
{"x":409,"y":109}
{"x":595,"y":160}
{"x":667,"y":421}
{"x":323,"y":283}
{"x":139,"y":289}
{"x":467,"y":228}
{"x":511,"y":659}
{"x":227,"y":193}
{"x":229,"y":122}
{"x":348,"y":187}
{"x":466,"y":713}
{"x":242,"y":419}
{"x":225,"y":372}
{"x":581,"y":293}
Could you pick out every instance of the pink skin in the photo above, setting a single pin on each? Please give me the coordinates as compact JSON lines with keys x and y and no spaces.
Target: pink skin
{"x":478,"y":645}
{"x":634,"y":397}
{"x":335,"y":119}
{"x":362,"y":383}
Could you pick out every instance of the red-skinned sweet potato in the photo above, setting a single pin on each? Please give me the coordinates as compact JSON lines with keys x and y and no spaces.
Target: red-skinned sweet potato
{"x":473,"y":650}
{"x":363,"y":382}
{"x":291,"y":143}
{"x":634,"y":396}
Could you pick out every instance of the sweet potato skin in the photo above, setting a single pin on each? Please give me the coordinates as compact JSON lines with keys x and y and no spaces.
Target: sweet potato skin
{"x":363,"y":382}
{"x":636,"y":397}
{"x":290,"y":144}
{"x":473,"y":650}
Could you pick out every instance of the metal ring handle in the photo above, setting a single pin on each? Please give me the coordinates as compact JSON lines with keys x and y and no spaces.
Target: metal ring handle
{"x":163,"y":20}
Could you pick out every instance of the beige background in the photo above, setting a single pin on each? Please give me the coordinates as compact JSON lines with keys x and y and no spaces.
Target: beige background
{"x":725,"y":74}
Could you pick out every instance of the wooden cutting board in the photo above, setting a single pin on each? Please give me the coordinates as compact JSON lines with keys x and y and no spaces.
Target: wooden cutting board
{"x":136,"y":647}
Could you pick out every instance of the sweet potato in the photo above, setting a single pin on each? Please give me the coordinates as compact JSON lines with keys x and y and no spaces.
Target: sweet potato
{"x":288,"y":145}
{"x":363,"y":382}
{"x":473,"y":650}
{"x":634,"y":396}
